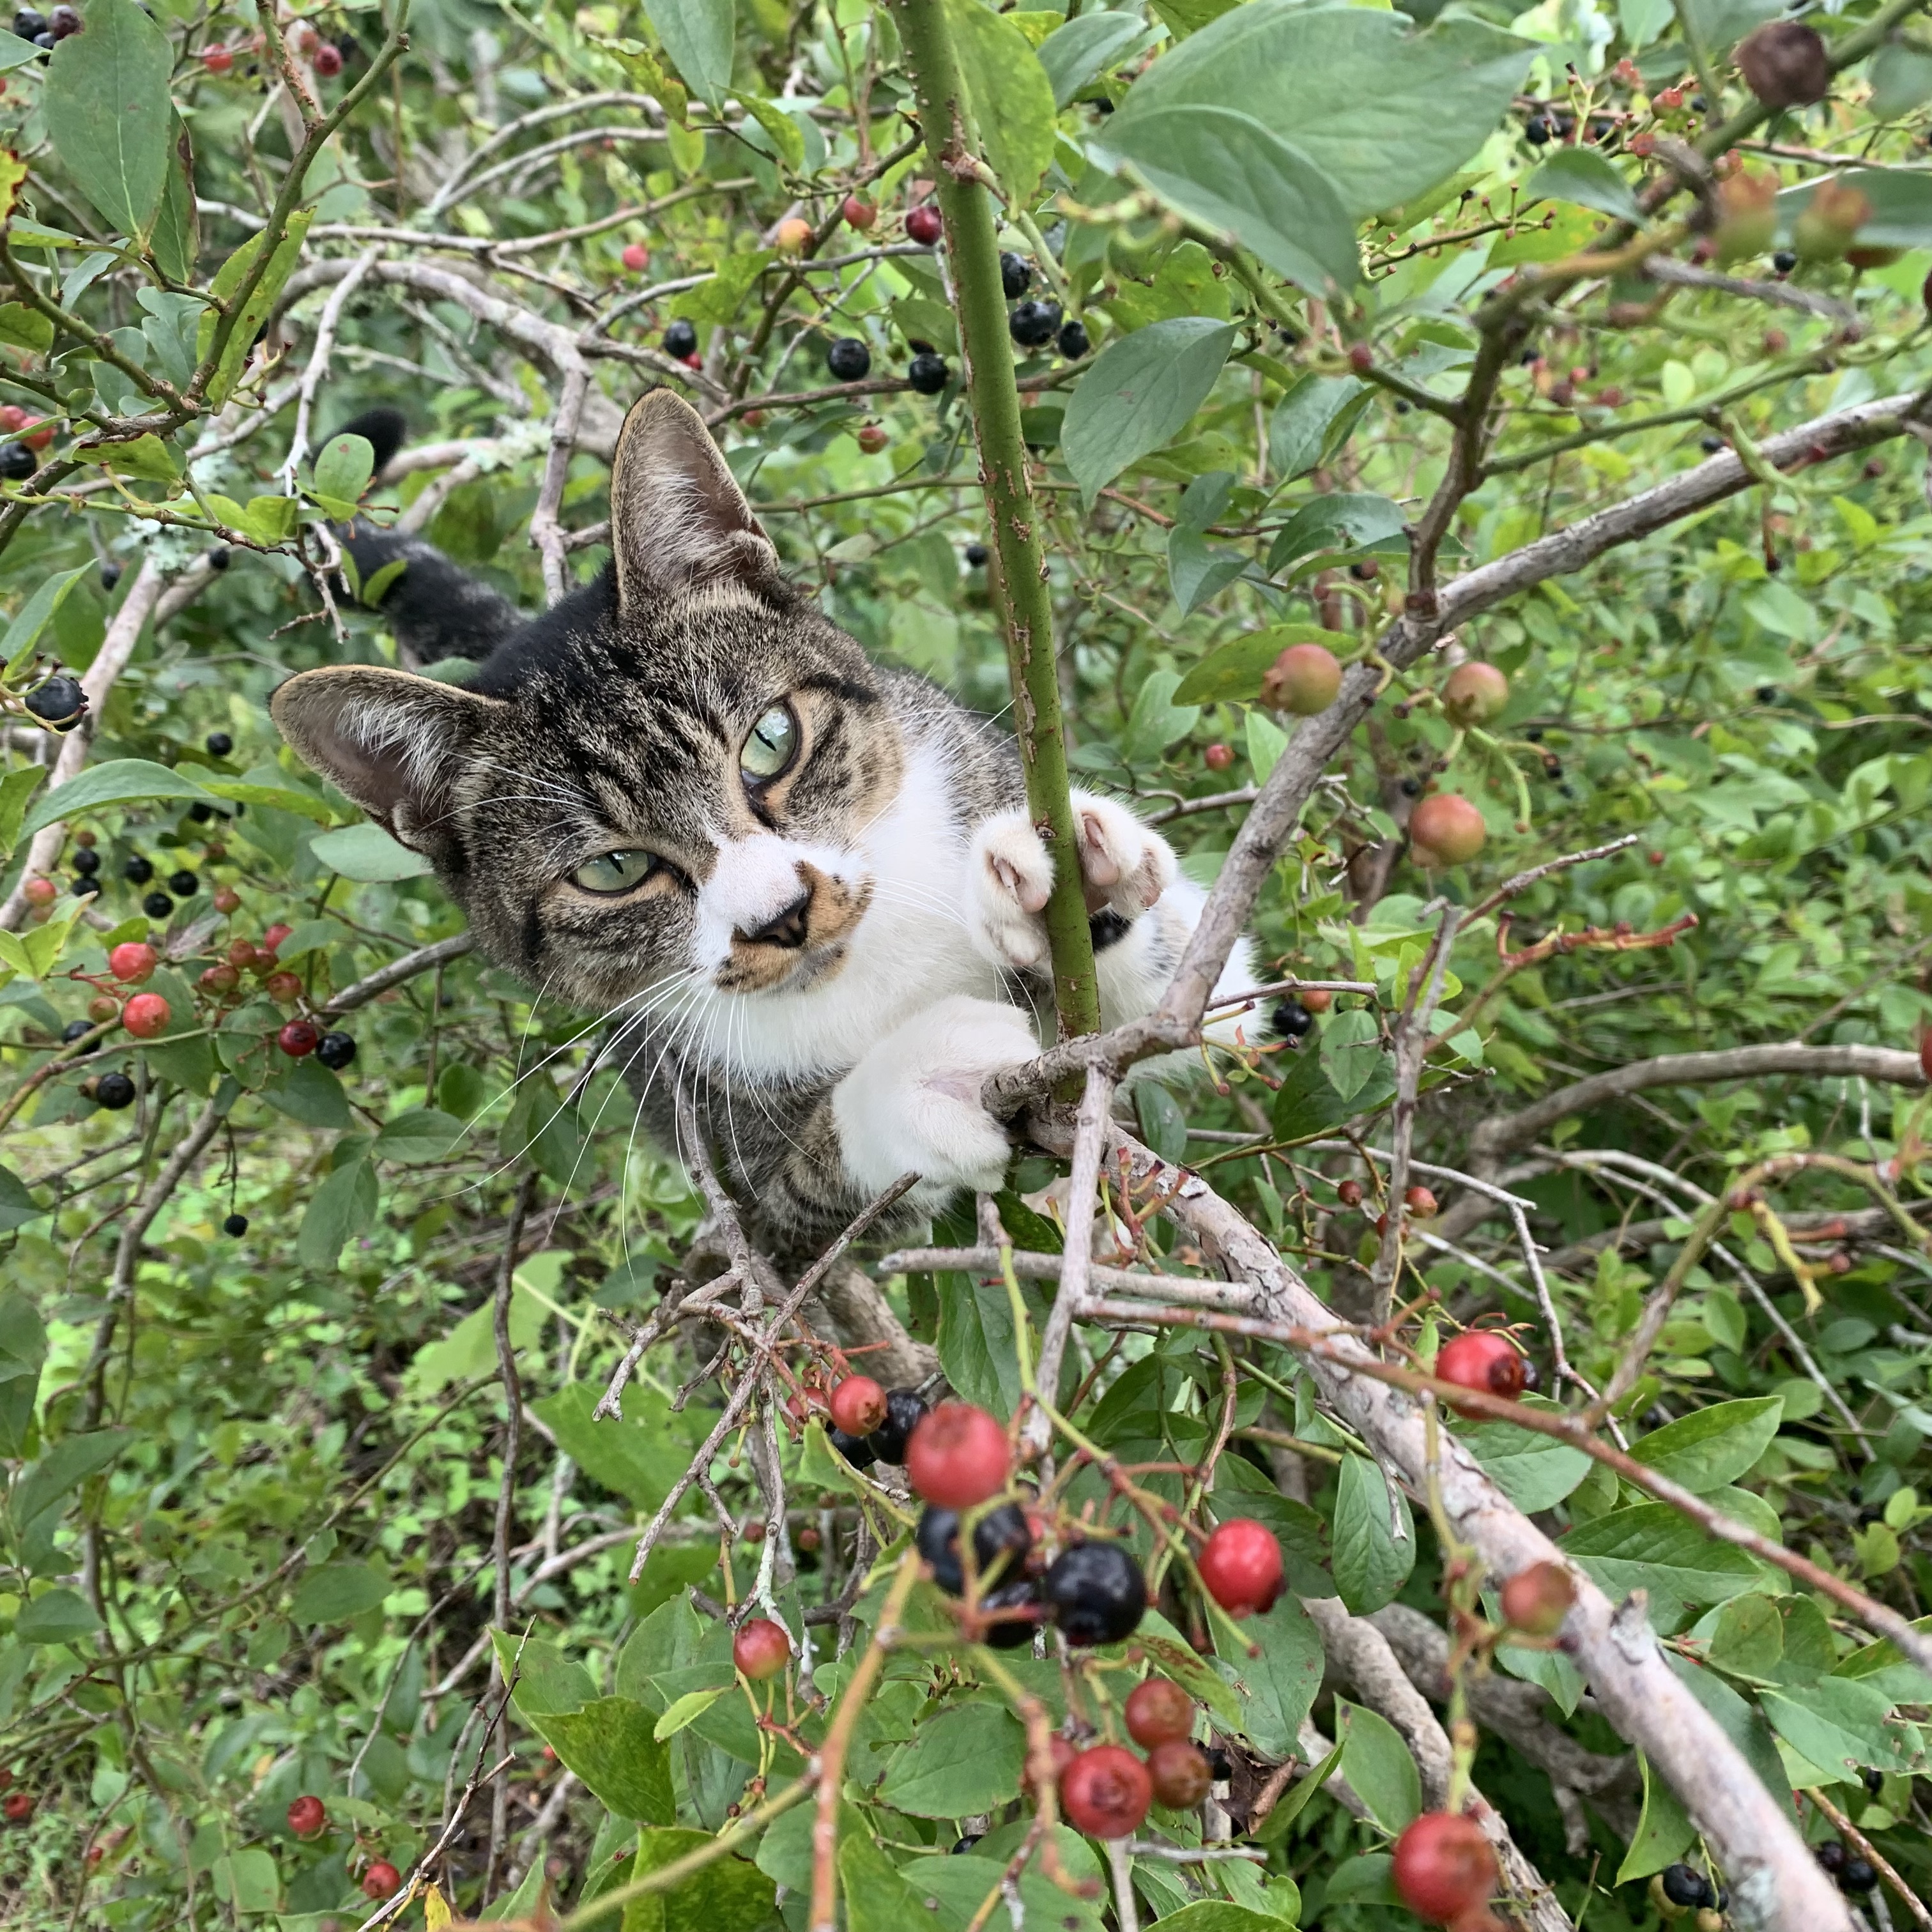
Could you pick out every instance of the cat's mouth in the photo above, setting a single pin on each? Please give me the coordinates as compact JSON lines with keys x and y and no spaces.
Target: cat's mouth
{"x":804,"y":943}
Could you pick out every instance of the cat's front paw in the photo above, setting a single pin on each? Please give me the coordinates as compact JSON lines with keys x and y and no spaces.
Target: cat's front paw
{"x":913,"y":1101}
{"x":1125,"y":866}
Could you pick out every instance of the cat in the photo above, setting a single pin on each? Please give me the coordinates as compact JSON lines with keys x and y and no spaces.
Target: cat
{"x":802,"y":884}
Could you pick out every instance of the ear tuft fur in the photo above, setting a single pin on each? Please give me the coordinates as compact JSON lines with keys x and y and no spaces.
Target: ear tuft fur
{"x":678,"y":522}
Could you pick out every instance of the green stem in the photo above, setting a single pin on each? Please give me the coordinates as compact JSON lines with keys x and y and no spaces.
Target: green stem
{"x":1019,"y":583}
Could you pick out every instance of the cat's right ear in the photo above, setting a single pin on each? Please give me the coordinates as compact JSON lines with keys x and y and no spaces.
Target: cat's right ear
{"x":393,"y":743}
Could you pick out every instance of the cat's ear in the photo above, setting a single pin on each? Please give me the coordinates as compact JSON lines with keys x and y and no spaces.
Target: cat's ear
{"x":393,"y":743}
{"x":678,"y":522}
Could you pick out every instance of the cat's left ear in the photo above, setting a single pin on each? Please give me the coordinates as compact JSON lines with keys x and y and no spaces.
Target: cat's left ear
{"x":394,"y":742}
{"x":678,"y":522}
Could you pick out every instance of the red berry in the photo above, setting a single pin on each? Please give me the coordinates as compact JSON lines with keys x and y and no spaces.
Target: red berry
{"x":1349,"y":1193}
{"x":40,"y":891}
{"x":17,"y":1808}
{"x":1240,"y":1565}
{"x":1444,"y":1867}
{"x":302,"y":39}
{"x":284,"y":988}
{"x":1105,"y":1792}
{"x":858,"y":1404}
{"x":693,"y":361}
{"x":793,"y":235}
{"x":1446,"y":829}
{"x":275,"y":934}
{"x":1420,"y":1200}
{"x":637,"y":258}
{"x":145,"y":1015}
{"x":1302,"y":680}
{"x":1361,"y":357}
{"x":1158,"y":1710}
{"x":1316,"y":999}
{"x":858,"y":212}
{"x":306,"y":1816}
{"x":328,"y":60}
{"x":241,"y":953}
{"x":1536,"y":1601}
{"x":871,"y":438}
{"x":95,"y":1853}
{"x":382,"y":1880}
{"x":220,"y":979}
{"x":217,"y":60}
{"x":761,"y":1649}
{"x":959,"y":1456}
{"x":133,"y":961}
{"x":102,"y":1007}
{"x":1218,"y":757}
{"x":1474,"y":693}
{"x":40,"y":437}
{"x":227,"y":899}
{"x":1480,"y":1358}
{"x":922,"y":225}
{"x":299,"y":1038}
{"x":1179,"y":1774}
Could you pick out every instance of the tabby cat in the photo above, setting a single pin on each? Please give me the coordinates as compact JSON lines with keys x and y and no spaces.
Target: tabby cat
{"x":803,"y":885}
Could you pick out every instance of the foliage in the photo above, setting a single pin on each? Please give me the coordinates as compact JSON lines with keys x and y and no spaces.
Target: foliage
{"x":1326,"y":258}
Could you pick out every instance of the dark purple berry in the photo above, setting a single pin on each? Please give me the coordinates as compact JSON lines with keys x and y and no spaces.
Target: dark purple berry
{"x":184,"y":885}
{"x":1012,"y":1613}
{"x":136,"y":870}
{"x":87,"y":860}
{"x":680,"y":339}
{"x":59,"y":699}
{"x":1074,"y":341}
{"x":1000,"y":1537}
{"x":114,"y":1091}
{"x":220,"y":557}
{"x":855,"y":1449}
{"x":928,"y":373}
{"x":110,"y":573}
{"x":904,"y":1412}
{"x":1292,"y":1020}
{"x":1015,"y":275}
{"x":219,"y":744}
{"x":1683,"y":1885}
{"x":849,"y":359}
{"x":158,"y":905}
{"x":17,"y":462}
{"x":62,"y":22}
{"x":29,"y":24}
{"x":335,"y":1051}
{"x":1033,"y":324}
{"x":1858,"y":1875}
{"x":1096,"y":1592}
{"x":976,"y":555}
{"x":236,"y":1226}
{"x":76,"y":1030}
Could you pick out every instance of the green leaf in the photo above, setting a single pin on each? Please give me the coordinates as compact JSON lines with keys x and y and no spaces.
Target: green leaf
{"x":17,"y":1208}
{"x":1235,"y":671}
{"x":1163,"y":1126}
{"x":545,"y":1680}
{"x":1009,"y":93}
{"x":227,"y":286}
{"x":283,"y":797}
{"x":422,"y":1133}
{"x":1218,"y":1914}
{"x":1838,"y":1724}
{"x":1279,"y":1686}
{"x":343,"y":1206}
{"x":1222,"y":169}
{"x":783,"y":131}
{"x":344,"y":468}
{"x":1299,"y":432}
{"x":609,"y":1745}
{"x":1711,"y":1446}
{"x":1307,"y":1105}
{"x":332,"y":1593}
{"x":1276,"y":1824}
{"x":108,"y":113}
{"x":687,"y":1710}
{"x":147,"y":458}
{"x":877,"y":1897}
{"x":730,"y":1894}
{"x":638,"y":1458}
{"x":1334,"y":524}
{"x":1536,"y":1472}
{"x":270,"y":519}
{"x":950,"y":1888}
{"x":1587,"y":178}
{"x":1370,"y":1562}
{"x":1664,"y":1832}
{"x":1141,"y":391}
{"x":697,"y":35}
{"x":26,"y":328}
{"x":1377,"y":1763}
{"x":1649,"y":1546}
{"x":1384,"y":113}
{"x":58,"y":1616}
{"x":1351,"y":1050}
{"x":308,"y":1092}
{"x":247,"y":1879}
{"x":366,"y":852}
{"x":1241,"y":1489}
{"x":64,"y":1467}
{"x":1075,"y":55}
{"x":177,"y":235}
{"x":966,"y":1760}
{"x":16,"y":787}
{"x":119,"y":781}
{"x":34,"y":615}
{"x":976,"y":1341}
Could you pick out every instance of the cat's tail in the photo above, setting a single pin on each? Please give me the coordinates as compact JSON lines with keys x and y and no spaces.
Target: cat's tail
{"x":436,"y":610}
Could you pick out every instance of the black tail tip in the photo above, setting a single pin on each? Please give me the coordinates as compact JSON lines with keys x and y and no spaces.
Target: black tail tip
{"x":384,"y":429}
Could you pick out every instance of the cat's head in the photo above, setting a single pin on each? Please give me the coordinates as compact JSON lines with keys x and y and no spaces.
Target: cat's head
{"x":663,"y":786}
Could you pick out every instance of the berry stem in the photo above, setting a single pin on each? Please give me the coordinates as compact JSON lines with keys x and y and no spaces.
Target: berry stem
{"x":1017,"y":579}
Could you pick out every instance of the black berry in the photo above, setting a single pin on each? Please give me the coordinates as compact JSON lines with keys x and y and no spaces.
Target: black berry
{"x":57,"y":700}
{"x":976,"y":556}
{"x":184,"y":885}
{"x":966,"y":1844}
{"x":1220,"y":1765}
{"x":1710,"y":445}
{"x":904,"y":1412}
{"x":201,"y":813}
{"x":1008,"y":1632}
{"x":219,"y":744}
{"x":1292,"y":1019}
{"x":680,"y":339}
{"x":29,"y":24}
{"x":83,"y":884}
{"x":87,"y":859}
{"x":158,"y":905}
{"x":855,"y":1449}
{"x":1874,"y":1780}
{"x":1015,"y":275}
{"x":1537,"y":132}
{"x":1857,"y":1875}
{"x":110,"y":573}
{"x":17,"y":462}
{"x":114,"y":1091}
{"x":236,"y":1225}
{"x":136,"y":870}
{"x":1075,"y":341}
{"x":1684,"y":1886}
{"x":335,"y":1051}
{"x":1000,"y":1537}
{"x":76,"y":1030}
{"x":45,"y":41}
{"x":220,"y":557}
{"x":1784,"y":261}
{"x":849,"y":359}
{"x":928,"y":373}
{"x":1033,"y":324}
{"x":1096,"y":1592}
{"x":1831,"y":1855}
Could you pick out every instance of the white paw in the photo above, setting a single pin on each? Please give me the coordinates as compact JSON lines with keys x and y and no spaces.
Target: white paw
{"x":1124,"y":866}
{"x":913,"y":1103}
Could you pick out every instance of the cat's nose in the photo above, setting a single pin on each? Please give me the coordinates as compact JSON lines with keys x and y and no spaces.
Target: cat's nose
{"x":786,"y":928}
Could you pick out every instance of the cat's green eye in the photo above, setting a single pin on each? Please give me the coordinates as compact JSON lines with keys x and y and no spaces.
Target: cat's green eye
{"x":770,"y":748}
{"x":614,"y":872}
